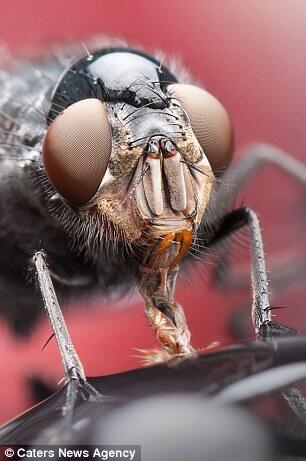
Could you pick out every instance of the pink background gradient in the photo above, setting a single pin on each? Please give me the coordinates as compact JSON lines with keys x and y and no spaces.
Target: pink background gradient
{"x":251,"y":55}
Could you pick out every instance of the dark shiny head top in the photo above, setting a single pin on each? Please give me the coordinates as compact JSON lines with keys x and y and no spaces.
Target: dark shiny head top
{"x":113,"y":75}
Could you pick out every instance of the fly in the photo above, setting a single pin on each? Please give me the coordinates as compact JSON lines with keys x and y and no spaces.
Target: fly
{"x":123,"y":164}
{"x":115,"y":184}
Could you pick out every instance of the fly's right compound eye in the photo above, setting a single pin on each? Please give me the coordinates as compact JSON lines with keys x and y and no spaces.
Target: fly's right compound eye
{"x":76,"y":150}
{"x":210,"y":123}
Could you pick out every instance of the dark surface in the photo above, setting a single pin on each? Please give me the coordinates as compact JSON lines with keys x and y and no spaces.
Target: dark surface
{"x":245,"y":376}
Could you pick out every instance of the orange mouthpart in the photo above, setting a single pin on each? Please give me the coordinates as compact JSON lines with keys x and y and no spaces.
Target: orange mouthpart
{"x":183,"y":237}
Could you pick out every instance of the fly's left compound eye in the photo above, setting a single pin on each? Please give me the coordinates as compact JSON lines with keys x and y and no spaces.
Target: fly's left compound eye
{"x":76,"y":150}
{"x":209,"y":121}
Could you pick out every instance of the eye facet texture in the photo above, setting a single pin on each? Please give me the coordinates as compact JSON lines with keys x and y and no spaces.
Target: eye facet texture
{"x":210,"y":123}
{"x":77,"y":149}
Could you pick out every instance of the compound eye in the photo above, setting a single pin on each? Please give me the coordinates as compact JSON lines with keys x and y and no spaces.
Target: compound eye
{"x":210,"y":123}
{"x":77,"y":149}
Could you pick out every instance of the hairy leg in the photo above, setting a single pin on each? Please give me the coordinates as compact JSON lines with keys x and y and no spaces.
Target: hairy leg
{"x":230,"y":223}
{"x":73,"y":367}
{"x":255,"y":158}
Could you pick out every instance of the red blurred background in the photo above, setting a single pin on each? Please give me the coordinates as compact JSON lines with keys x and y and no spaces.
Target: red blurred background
{"x":251,"y":55}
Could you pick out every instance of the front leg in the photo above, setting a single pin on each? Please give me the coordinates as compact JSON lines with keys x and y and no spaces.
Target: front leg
{"x":255,"y":158}
{"x":73,"y":367}
{"x":261,"y":309}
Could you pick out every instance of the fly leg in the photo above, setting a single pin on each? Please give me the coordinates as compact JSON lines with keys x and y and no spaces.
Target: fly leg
{"x":73,"y":367}
{"x":264,"y":327}
{"x":254,"y":159}
{"x":261,"y":310}
{"x":257,"y":157}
